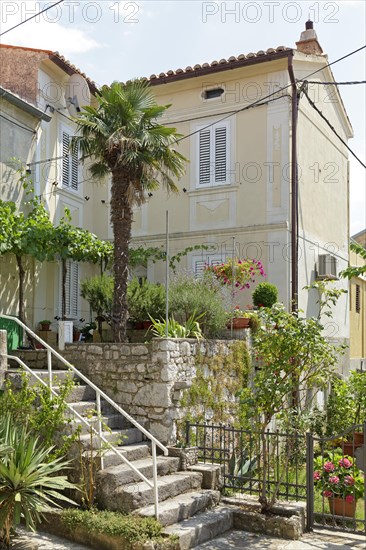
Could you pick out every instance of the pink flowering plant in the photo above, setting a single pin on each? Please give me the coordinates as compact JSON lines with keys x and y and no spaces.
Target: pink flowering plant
{"x":237,"y":272}
{"x":337,"y":476}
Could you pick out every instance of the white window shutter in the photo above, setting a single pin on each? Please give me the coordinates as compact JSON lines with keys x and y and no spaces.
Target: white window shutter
{"x":72,"y":290}
{"x":204,"y":156}
{"x":65,"y":159}
{"x":220,"y":154}
{"x":74,"y":167}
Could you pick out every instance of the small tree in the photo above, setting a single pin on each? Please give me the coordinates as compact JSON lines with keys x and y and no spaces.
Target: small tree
{"x":79,"y":245}
{"x":98,"y":292}
{"x":24,"y":234}
{"x":293,"y":357}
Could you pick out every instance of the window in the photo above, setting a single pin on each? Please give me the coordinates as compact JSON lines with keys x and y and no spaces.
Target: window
{"x":70,"y":162}
{"x":358,"y":298}
{"x":213,"y":155}
{"x":72,"y":290}
{"x":213,"y":94}
{"x":200,"y":262}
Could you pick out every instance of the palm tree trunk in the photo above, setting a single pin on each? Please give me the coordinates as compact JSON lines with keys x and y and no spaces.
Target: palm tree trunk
{"x":121,"y":218}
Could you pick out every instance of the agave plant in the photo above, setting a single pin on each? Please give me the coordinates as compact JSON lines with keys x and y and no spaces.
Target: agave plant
{"x":190,"y":329}
{"x":29,"y":485}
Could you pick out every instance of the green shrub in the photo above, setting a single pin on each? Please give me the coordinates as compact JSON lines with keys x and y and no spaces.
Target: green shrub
{"x":265,"y":295}
{"x":190,"y":296}
{"x":145,"y":299}
{"x":29,"y":484}
{"x":98,"y":292}
{"x":130,"y":528}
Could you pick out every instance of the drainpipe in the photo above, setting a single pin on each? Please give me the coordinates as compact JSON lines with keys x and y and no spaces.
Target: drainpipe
{"x":294,"y":189}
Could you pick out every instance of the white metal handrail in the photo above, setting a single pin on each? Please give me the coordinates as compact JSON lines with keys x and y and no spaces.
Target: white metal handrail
{"x":99,"y":394}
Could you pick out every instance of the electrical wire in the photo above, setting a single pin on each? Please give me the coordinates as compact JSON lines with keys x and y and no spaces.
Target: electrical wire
{"x":268,"y":96}
{"x":19,"y":125}
{"x":227,"y":112}
{"x":332,"y":127}
{"x":30,"y":18}
{"x":333,"y":83}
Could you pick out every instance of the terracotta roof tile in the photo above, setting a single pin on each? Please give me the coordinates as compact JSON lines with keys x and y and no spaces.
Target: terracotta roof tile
{"x":216,"y":66}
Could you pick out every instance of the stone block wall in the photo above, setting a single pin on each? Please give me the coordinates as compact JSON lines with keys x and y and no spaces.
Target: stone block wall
{"x":146,"y":380}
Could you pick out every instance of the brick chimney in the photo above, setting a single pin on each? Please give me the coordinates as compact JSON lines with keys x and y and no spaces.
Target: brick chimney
{"x":308,"y":42}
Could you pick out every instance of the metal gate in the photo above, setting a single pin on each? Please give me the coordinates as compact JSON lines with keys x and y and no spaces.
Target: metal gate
{"x":335,"y":469}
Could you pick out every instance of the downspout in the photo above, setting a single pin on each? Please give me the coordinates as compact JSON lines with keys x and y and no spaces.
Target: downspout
{"x":294,"y":188}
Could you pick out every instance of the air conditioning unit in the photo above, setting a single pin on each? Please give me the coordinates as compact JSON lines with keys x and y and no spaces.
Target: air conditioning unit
{"x":327,"y":267}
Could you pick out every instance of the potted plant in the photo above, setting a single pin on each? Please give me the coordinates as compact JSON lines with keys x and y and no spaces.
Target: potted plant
{"x":45,"y":324}
{"x":238,"y":319}
{"x":265,"y":295}
{"x":236,"y":273}
{"x":357,"y":385}
{"x":339,"y":480}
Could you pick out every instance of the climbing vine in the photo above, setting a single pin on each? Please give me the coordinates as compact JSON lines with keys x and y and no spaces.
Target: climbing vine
{"x":213,"y":395}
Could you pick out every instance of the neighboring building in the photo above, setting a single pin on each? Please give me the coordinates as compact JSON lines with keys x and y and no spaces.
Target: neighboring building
{"x":48,"y":88}
{"x":239,"y":180}
{"x":20,"y":122}
{"x":357,"y":290}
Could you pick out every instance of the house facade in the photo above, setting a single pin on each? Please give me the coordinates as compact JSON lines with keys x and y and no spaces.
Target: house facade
{"x":357,"y":301}
{"x":266,"y":174}
{"x":52,"y":89}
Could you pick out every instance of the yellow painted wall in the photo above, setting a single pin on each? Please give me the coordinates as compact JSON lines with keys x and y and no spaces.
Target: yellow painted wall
{"x":357,"y":319}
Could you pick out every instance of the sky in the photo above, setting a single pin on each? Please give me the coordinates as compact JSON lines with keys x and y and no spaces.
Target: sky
{"x":119,"y":40}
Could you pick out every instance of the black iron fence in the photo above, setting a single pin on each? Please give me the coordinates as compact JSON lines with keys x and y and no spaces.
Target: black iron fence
{"x":237,"y":451}
{"x":327,"y":473}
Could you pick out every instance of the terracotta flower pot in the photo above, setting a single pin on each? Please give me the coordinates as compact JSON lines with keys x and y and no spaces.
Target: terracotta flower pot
{"x":239,"y":322}
{"x":340,"y":507}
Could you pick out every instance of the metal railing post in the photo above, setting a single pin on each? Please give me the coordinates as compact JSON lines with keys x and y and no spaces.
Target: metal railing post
{"x":100,"y":430}
{"x":155,"y":481}
{"x":309,"y":482}
{"x":49,"y":367}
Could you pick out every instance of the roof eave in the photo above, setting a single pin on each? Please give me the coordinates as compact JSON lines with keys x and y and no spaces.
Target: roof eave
{"x":24,"y":105}
{"x":203,"y":71}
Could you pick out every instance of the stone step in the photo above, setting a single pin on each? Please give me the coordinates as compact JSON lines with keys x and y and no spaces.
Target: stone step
{"x":138,"y":495}
{"x":109,"y":479}
{"x":182,"y":506}
{"x":15,"y":374}
{"x":113,"y":422}
{"x":131,"y":452}
{"x":202,"y":527}
{"x":84,"y":408}
{"x":79,"y":393}
{"x":118,"y":438}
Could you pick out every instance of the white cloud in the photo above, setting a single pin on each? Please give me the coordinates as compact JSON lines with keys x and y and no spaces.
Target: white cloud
{"x":52,"y":30}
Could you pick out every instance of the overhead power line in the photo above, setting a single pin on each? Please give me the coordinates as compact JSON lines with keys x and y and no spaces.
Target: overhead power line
{"x":19,"y":125}
{"x":332,"y":128}
{"x":333,"y":83}
{"x":30,"y":18}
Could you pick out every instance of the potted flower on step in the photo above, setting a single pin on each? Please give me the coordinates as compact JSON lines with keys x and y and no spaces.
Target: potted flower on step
{"x":45,"y":324}
{"x":340,"y":481}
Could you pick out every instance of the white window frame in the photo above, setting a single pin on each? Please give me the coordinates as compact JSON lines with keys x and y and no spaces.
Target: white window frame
{"x":73,"y":179}
{"x":72,"y":290}
{"x":210,"y":130}
{"x":210,"y":259}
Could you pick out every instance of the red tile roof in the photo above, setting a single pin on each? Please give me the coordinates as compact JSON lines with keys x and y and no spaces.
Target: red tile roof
{"x":222,"y":65}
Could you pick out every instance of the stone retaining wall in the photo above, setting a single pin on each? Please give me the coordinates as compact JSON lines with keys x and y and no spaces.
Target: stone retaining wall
{"x":147,"y":380}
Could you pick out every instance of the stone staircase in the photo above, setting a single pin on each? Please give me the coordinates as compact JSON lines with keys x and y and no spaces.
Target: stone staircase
{"x":189,"y":501}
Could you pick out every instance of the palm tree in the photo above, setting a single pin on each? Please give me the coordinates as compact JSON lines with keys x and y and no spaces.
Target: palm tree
{"x":124,"y":139}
